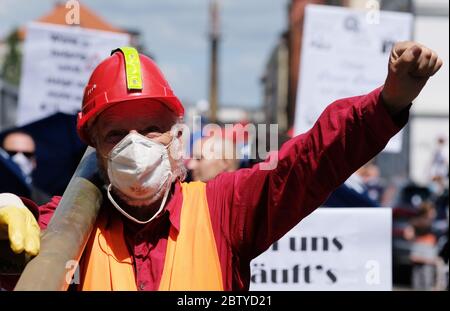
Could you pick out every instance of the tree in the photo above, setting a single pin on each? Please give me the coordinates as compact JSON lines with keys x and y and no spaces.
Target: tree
{"x":13,"y":60}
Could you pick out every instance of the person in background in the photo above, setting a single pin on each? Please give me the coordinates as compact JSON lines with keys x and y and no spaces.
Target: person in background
{"x":361,"y":189}
{"x":439,"y":162}
{"x":370,"y":175}
{"x":21,"y":149}
{"x":438,"y":169}
{"x":424,"y":252}
{"x":211,"y":156}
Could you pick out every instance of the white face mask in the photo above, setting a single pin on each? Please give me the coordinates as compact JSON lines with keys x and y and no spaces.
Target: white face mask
{"x":140,"y":169}
{"x":25,"y":164}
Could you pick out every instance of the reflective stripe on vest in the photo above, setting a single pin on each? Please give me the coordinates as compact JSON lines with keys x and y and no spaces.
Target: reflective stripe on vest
{"x":191,"y":261}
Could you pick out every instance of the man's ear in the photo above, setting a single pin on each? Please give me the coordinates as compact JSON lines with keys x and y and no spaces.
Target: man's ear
{"x":177,"y":132}
{"x":176,"y":148}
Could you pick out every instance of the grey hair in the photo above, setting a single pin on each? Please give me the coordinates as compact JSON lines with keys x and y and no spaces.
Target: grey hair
{"x":176,"y":150}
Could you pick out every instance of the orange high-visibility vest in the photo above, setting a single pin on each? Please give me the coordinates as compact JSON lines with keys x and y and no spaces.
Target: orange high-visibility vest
{"x":191,"y":262}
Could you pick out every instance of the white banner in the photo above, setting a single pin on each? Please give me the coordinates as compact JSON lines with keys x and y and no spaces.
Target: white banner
{"x":331,"y":249}
{"x":345,"y":53}
{"x":57,"y":63}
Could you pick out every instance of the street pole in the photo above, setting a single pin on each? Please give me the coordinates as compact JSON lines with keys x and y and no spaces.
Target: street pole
{"x":214,"y":38}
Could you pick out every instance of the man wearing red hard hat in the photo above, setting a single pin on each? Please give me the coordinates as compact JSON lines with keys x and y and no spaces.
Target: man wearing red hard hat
{"x":156,"y":232}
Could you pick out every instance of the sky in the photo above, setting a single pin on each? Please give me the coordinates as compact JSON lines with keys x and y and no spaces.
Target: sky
{"x":175,"y":32}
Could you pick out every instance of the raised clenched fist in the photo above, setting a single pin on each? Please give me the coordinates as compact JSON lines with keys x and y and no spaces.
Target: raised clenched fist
{"x":410,"y":66}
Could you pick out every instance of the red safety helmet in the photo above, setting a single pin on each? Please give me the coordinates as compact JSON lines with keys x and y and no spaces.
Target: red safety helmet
{"x":125,"y":76}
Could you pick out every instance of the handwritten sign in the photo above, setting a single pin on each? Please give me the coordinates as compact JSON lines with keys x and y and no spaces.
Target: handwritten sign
{"x":345,"y":53}
{"x":57,"y":63}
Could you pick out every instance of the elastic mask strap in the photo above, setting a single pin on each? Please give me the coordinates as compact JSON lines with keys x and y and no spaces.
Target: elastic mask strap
{"x":111,"y":199}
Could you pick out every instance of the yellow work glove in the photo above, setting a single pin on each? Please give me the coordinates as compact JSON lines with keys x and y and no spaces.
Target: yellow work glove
{"x":18,"y":225}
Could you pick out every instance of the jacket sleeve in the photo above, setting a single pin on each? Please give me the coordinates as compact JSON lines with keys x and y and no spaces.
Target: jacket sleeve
{"x":257,"y":207}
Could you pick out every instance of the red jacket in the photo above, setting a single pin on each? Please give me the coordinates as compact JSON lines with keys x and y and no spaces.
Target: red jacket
{"x":252,"y":208}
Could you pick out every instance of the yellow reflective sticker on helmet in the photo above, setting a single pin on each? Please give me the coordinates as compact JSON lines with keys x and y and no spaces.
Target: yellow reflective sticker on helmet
{"x":132,"y":67}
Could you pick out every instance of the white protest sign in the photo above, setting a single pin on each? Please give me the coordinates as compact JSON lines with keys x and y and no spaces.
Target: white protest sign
{"x":57,"y":63}
{"x":331,"y":249}
{"x":345,"y":53}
